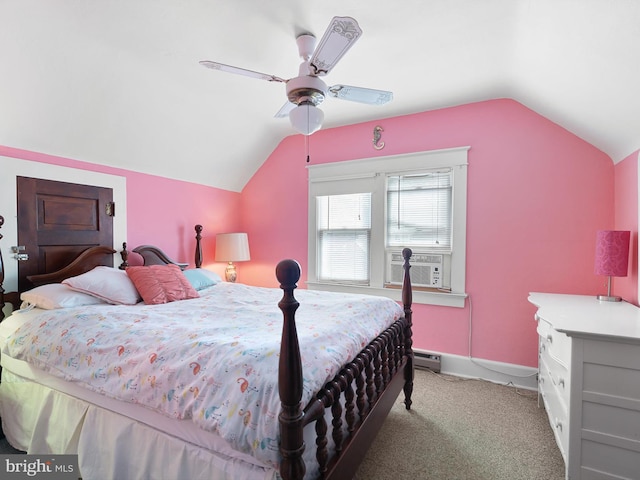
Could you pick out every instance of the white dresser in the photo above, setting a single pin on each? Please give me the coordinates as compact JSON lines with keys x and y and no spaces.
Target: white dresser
{"x":589,"y":382}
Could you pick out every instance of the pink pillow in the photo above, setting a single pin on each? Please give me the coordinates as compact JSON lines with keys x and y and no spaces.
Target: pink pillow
{"x":161,"y":283}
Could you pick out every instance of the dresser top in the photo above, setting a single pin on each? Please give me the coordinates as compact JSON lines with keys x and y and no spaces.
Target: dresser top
{"x":586,"y":316}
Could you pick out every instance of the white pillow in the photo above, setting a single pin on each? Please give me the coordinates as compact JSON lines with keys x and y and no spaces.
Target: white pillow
{"x":109,"y":284}
{"x":56,"y":295}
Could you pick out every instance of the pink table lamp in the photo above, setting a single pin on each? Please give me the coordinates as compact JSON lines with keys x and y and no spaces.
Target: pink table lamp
{"x":612,"y":257}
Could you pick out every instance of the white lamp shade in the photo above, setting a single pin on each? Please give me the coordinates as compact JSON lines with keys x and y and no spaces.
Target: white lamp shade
{"x":306,"y":118}
{"x":232,"y":247}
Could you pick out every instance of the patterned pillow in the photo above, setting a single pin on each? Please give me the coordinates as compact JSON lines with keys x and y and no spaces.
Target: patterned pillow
{"x":161,"y":283}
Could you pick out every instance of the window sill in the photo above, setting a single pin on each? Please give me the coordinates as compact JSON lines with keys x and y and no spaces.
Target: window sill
{"x":445,"y":299}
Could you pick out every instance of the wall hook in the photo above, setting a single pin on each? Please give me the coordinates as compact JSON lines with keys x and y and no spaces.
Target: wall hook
{"x":377,"y":133}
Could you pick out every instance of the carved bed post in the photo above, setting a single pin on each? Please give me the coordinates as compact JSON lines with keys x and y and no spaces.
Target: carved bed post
{"x":1,"y":275}
{"x":125,"y":257}
{"x":407,"y":300}
{"x":290,"y":377}
{"x":198,"y":258}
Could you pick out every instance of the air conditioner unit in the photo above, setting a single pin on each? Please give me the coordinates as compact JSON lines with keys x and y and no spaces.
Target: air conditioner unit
{"x":426,"y":269}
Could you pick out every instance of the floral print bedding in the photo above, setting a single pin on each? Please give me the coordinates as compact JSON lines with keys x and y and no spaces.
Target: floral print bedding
{"x":212,"y":359}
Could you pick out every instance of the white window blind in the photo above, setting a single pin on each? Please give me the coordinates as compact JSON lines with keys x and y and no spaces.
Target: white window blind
{"x":419,"y":210}
{"x":344,"y":237}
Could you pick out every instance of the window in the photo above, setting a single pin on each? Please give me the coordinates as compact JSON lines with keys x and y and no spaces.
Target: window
{"x":419,"y":210}
{"x":344,"y":233}
{"x":362,"y":213}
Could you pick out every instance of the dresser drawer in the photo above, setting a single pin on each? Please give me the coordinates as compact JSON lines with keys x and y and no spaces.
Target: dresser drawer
{"x":556,"y":344}
{"x":555,"y":399}
{"x":555,"y":371}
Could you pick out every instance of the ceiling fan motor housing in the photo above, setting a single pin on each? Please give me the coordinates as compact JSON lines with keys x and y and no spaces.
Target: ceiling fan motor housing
{"x":306,"y":88}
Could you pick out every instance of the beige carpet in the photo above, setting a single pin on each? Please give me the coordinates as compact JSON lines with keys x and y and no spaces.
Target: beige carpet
{"x":466,"y":430}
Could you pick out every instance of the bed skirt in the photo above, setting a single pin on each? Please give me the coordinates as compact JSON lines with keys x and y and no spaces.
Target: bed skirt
{"x":38,"y":419}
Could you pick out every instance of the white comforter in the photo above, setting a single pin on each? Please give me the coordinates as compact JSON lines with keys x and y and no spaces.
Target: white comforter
{"x":213,"y":360}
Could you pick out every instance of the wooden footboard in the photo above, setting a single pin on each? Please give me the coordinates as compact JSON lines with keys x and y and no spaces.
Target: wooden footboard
{"x":360,"y":396}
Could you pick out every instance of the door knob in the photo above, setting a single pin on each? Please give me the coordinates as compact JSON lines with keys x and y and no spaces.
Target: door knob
{"x":21,"y":257}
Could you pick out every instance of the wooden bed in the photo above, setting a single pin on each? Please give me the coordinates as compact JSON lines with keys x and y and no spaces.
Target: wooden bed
{"x":358,"y":398}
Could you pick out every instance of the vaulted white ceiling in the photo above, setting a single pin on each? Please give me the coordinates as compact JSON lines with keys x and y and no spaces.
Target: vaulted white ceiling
{"x":118,"y":82}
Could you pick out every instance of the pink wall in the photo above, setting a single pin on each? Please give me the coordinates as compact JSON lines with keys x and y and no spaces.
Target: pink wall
{"x":160,"y":208}
{"x":626,"y":218}
{"x":161,"y":211}
{"x":537,"y":194}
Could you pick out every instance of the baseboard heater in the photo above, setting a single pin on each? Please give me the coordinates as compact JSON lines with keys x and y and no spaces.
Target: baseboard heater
{"x":427,"y":360}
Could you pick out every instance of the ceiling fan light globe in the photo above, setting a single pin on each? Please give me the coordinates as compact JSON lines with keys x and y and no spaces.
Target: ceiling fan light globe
{"x":306,"y":119}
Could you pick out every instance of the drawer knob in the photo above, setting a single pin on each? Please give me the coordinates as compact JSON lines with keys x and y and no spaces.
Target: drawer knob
{"x":558,"y":424}
{"x":549,"y":338}
{"x":561,"y":381}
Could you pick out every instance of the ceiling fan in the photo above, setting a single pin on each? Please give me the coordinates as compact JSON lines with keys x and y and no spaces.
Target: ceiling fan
{"x":306,"y":91}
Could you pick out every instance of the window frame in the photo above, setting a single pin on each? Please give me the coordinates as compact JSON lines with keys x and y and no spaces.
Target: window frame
{"x":369,"y":175}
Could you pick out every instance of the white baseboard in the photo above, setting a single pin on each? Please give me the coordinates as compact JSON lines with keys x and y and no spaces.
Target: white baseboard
{"x":496,"y":372}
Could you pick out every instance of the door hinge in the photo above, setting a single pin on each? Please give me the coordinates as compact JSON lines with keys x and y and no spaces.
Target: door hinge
{"x":110,"y":209}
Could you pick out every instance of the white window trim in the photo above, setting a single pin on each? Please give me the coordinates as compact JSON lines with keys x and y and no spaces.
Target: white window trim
{"x":375,"y":170}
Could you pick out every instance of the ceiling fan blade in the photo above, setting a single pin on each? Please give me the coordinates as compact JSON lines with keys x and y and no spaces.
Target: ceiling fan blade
{"x":360,"y":95}
{"x":284,"y":111}
{"x":340,"y":36}
{"x":241,"y":71}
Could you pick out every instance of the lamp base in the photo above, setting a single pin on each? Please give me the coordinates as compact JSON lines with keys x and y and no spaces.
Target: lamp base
{"x":230,"y":273}
{"x":608,"y":298}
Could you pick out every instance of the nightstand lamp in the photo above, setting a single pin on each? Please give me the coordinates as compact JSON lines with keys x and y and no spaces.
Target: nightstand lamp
{"x":612,"y":258}
{"x":232,"y":247}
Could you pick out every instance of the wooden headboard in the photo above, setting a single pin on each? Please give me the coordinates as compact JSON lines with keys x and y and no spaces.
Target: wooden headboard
{"x":87,"y":260}
{"x":152,"y":255}
{"x":93,"y":257}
